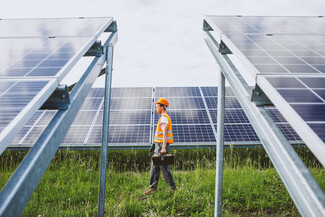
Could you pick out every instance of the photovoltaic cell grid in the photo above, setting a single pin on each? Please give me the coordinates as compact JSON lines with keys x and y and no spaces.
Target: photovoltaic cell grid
{"x":283,"y":54}
{"x":133,"y":126}
{"x":237,"y":125}
{"x":32,"y":49}
{"x":17,"y":99}
{"x":306,"y":96}
{"x":30,"y":57}
{"x":279,"y":46}
{"x":268,"y":25}
{"x":130,"y":118}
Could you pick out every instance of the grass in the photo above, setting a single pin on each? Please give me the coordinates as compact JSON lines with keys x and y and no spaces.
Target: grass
{"x":69,"y":187}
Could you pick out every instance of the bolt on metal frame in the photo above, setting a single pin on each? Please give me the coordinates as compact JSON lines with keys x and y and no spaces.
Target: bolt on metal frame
{"x":19,"y":189}
{"x":301,"y":185}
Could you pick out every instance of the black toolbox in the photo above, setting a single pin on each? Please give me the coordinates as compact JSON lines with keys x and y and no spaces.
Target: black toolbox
{"x":163,"y":159}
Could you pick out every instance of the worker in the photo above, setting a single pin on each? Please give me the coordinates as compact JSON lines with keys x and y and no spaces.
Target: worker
{"x":163,"y":138}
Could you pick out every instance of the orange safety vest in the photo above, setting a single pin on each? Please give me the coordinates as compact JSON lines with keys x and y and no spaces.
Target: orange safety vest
{"x":159,"y":132}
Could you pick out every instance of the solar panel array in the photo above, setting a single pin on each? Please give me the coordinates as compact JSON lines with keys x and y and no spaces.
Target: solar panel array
{"x":287,"y":52}
{"x":134,"y":124}
{"x":35,"y":56}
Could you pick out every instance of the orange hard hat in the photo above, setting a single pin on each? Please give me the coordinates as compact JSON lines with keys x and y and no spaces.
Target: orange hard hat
{"x":163,"y":101}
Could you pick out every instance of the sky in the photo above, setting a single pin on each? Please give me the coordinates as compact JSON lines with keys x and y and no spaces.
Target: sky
{"x":160,"y":41}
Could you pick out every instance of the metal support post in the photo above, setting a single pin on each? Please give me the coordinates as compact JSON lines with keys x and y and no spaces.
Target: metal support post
{"x":107,"y":102}
{"x":220,"y":146}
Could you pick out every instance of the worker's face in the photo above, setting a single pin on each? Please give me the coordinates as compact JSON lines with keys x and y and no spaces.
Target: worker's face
{"x":159,"y":108}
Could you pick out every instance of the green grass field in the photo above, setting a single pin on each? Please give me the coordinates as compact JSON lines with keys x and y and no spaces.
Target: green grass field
{"x":69,"y":187}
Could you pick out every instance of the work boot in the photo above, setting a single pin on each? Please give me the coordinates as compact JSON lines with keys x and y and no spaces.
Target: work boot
{"x":150,"y":190}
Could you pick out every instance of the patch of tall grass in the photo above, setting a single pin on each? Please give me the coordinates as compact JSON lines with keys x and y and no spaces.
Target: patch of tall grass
{"x":69,"y":187}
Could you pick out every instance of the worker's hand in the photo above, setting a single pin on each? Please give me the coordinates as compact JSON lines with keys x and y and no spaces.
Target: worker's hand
{"x":163,"y":151}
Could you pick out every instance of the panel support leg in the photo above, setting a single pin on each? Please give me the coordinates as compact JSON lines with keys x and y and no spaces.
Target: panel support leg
{"x":107,"y":100}
{"x":220,"y":145}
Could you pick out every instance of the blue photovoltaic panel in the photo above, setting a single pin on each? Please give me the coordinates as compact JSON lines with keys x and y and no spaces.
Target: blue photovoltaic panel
{"x":289,"y":133}
{"x":213,"y":91}
{"x":268,"y":25}
{"x":84,"y":118}
{"x":34,"y":134}
{"x":193,"y":133}
{"x":186,"y":117}
{"x":23,"y":132}
{"x":283,"y":54}
{"x":14,"y":97}
{"x":210,"y":91}
{"x":76,"y":135}
{"x":131,"y":103}
{"x":29,"y":57}
{"x":134,"y":117}
{"x":299,"y":93}
{"x":231,"y":116}
{"x":92,"y":103}
{"x":275,"y":114}
{"x":19,"y":100}
{"x":140,"y":92}
{"x":97,"y":92}
{"x":239,"y":133}
{"x":185,"y":103}
{"x":177,"y":92}
{"x":87,"y":126}
{"x":230,"y":102}
{"x":53,"y":27}
{"x":121,"y":135}
{"x":319,"y":129}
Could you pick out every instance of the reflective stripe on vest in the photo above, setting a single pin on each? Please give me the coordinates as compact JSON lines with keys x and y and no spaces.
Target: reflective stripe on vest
{"x":159,"y":133}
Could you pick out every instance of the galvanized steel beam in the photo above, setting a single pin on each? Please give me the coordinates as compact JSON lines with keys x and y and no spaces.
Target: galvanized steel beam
{"x":220,"y":146}
{"x":107,"y":103}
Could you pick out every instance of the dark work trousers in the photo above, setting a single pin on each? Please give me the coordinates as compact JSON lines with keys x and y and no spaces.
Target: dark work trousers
{"x":155,"y":170}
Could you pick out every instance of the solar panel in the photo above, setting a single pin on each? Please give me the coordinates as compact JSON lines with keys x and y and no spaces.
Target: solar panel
{"x":76,"y":134}
{"x":231,"y":116}
{"x":267,"y":25}
{"x":121,"y":135}
{"x":138,"y":92}
{"x":134,"y":117}
{"x":319,"y":129}
{"x":87,"y":126}
{"x":168,"y":92}
{"x":213,"y":91}
{"x":230,"y":102}
{"x":239,"y":133}
{"x":193,"y":134}
{"x":301,"y":96}
{"x":282,"y":54}
{"x":185,"y":103}
{"x":31,"y":57}
{"x":186,"y":117}
{"x":19,"y":100}
{"x":54,"y":27}
{"x":128,"y":103}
